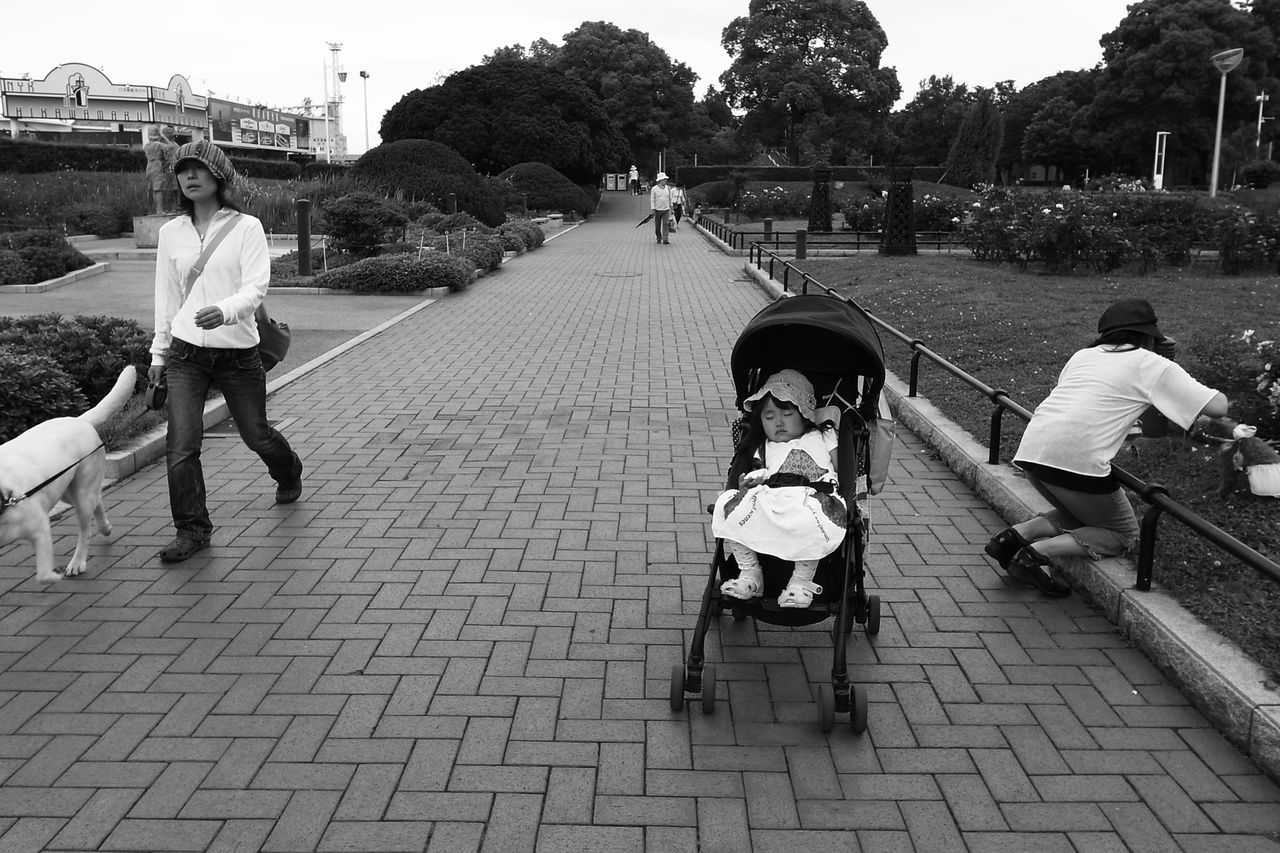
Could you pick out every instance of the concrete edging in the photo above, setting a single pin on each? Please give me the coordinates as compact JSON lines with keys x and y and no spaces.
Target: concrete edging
{"x":1224,"y":683}
{"x":98,"y":268}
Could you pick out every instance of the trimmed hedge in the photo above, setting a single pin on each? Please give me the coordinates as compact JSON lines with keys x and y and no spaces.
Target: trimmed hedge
{"x":44,"y":254}
{"x":546,"y":189}
{"x":400,"y":273}
{"x":421,"y":170}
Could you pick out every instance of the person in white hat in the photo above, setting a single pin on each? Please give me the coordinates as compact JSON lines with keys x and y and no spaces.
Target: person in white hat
{"x":660,"y":204}
{"x":633,"y":180}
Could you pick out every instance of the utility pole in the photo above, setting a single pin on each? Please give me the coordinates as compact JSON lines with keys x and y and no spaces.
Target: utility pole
{"x":1257,"y":142}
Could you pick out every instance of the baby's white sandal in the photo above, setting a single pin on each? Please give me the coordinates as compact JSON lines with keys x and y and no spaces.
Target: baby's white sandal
{"x":742,"y":587}
{"x":799,"y":594}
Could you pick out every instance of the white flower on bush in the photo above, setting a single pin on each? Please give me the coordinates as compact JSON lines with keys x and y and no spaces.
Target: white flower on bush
{"x":1059,"y":206}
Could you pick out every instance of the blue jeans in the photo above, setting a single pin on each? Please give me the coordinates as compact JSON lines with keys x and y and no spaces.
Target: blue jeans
{"x":660,"y":223}
{"x":1104,"y":525}
{"x":238,"y":373}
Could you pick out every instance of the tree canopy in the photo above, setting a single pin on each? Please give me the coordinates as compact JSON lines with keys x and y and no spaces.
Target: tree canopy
{"x":513,"y":111}
{"x":808,"y":75}
{"x":648,"y":96}
{"x":1157,"y":76}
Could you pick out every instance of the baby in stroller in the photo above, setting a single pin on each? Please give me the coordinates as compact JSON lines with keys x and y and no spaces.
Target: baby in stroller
{"x":789,"y":505}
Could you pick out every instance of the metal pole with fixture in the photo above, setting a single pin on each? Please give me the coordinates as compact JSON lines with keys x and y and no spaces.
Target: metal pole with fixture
{"x":1257,"y":141}
{"x":1157,"y":170}
{"x":1224,"y":62}
{"x":364,"y":77}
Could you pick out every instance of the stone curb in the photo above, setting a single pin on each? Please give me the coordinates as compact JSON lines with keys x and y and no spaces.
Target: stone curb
{"x":1228,"y":686}
{"x":54,"y":283}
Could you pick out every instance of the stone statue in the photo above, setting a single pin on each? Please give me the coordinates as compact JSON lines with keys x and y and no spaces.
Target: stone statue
{"x":161,"y":152}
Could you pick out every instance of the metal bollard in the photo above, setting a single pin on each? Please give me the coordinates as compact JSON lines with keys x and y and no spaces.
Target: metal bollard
{"x":452,"y":203}
{"x":802,"y":244}
{"x":304,"y":236}
{"x":1154,"y":424}
{"x":768,"y":230}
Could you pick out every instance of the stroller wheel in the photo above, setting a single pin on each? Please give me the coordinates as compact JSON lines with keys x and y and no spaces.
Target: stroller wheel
{"x":873,"y":616}
{"x":858,"y":709}
{"x":709,"y":689}
{"x":677,"y":687}
{"x":826,"y":708}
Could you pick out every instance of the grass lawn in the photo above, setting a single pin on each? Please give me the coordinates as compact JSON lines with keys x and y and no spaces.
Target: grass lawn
{"x":1014,"y":330}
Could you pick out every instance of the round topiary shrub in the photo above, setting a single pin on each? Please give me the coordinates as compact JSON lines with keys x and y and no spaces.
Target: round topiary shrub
{"x":1260,"y":174}
{"x":358,"y":223}
{"x":34,"y":390}
{"x":546,"y":189}
{"x":419,"y":170}
{"x":511,"y":242}
{"x":531,"y":234}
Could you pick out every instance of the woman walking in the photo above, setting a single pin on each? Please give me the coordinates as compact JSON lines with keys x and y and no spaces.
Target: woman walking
{"x":212,"y":271}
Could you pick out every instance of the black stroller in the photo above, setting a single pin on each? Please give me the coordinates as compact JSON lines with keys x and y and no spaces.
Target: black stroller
{"x":833,"y":343}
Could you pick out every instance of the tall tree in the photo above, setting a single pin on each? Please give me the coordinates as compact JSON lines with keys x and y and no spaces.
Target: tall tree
{"x":972,"y":159}
{"x":1075,"y":86}
{"x":804,"y":70}
{"x":648,"y":97}
{"x":1055,"y":137}
{"x":1157,"y":76}
{"x":513,"y":111}
{"x":925,"y":127}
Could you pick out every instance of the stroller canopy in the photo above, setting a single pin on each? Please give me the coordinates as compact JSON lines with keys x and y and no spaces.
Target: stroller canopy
{"x":830,"y":340}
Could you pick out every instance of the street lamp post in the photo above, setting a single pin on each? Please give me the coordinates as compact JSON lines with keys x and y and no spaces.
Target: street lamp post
{"x":1257,"y":141}
{"x":364,"y":77}
{"x":1224,"y":62}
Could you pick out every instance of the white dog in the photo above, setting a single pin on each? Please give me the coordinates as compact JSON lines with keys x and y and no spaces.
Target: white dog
{"x":67,"y":457}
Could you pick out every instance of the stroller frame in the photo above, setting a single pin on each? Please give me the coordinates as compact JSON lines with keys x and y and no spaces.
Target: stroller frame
{"x":802,"y":332}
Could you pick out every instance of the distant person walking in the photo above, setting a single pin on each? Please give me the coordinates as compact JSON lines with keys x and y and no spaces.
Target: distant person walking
{"x":660,"y":204}
{"x":678,"y":201}
{"x":633,"y":180}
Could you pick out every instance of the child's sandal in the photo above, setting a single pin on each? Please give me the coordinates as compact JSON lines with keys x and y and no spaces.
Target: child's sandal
{"x":741,"y":588}
{"x":799,"y":594}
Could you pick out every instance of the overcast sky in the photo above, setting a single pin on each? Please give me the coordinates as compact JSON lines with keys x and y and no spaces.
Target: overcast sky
{"x":275,"y":52}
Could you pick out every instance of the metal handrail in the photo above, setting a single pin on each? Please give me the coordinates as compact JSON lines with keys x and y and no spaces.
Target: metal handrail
{"x":740,"y":238}
{"x":1154,"y":494}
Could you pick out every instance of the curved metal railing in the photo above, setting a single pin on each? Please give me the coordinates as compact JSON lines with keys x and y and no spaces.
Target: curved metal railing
{"x":1154,"y":494}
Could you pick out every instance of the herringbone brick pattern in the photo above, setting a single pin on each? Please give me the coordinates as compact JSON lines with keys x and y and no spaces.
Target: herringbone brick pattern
{"x":460,"y":639}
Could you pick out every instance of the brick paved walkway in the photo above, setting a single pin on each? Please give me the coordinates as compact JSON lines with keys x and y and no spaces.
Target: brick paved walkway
{"x":460,"y":639}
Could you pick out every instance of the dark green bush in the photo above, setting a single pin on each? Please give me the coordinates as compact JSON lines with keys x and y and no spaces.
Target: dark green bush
{"x":1260,"y":174}
{"x":13,"y":269}
{"x":91,"y":350}
{"x":545,"y":189}
{"x":89,"y":217}
{"x":484,"y":251}
{"x":531,"y":234}
{"x":34,"y":389}
{"x":26,"y":156}
{"x":419,"y":170}
{"x":43,"y":237}
{"x":360,"y":222}
{"x":47,"y":263}
{"x":511,"y":241}
{"x":461,"y":221}
{"x":252,"y":167}
{"x":401,"y":273}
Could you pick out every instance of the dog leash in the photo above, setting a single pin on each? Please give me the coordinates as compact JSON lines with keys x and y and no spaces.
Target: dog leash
{"x":14,"y":501}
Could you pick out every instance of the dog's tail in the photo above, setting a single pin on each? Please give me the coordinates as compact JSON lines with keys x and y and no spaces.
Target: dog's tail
{"x":115,"y":399}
